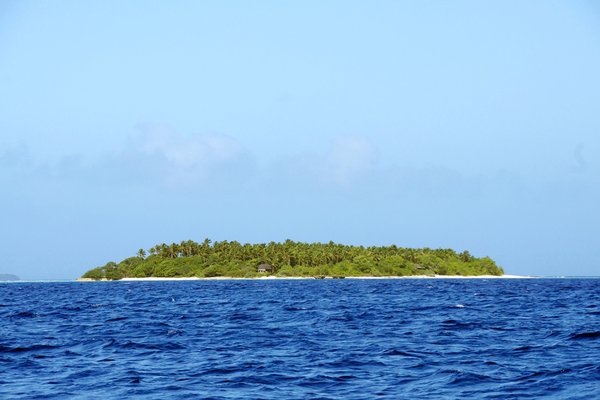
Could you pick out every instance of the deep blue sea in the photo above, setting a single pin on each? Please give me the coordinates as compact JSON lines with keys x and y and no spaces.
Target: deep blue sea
{"x":313,"y":339}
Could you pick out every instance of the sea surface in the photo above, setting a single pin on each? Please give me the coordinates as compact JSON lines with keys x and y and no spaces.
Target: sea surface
{"x":301,"y":339}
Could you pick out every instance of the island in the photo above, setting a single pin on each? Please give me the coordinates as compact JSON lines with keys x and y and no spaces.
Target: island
{"x":9,"y":278}
{"x":233,"y":259}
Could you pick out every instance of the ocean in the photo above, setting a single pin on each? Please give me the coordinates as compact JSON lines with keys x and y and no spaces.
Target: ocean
{"x":301,"y":339}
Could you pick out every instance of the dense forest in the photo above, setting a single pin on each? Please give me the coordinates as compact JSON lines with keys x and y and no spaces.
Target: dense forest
{"x":233,"y":259}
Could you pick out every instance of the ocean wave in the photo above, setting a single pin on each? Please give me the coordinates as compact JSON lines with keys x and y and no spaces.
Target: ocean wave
{"x":351,"y":339}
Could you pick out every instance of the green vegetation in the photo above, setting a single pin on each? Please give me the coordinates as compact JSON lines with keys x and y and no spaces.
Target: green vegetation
{"x":233,"y":259}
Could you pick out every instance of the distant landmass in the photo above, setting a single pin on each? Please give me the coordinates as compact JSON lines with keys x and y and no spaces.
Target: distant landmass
{"x":9,"y":277}
{"x":291,"y":259}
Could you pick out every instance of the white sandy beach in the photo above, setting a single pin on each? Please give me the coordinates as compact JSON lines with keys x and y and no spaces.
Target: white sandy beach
{"x":221,"y":278}
{"x":445,"y":277}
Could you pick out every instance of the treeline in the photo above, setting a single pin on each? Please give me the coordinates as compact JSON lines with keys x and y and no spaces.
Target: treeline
{"x":233,"y":259}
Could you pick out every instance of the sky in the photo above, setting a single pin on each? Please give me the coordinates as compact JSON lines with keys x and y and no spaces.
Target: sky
{"x":466,"y":125}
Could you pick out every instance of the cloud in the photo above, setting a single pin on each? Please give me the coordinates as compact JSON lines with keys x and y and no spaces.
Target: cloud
{"x":183,"y":152}
{"x":156,"y":157}
{"x":181,"y":160}
{"x":15,"y":156}
{"x":350,"y":159}
{"x":346,"y":164}
{"x":579,"y":161}
{"x":159,"y":158}
{"x":351,"y":165}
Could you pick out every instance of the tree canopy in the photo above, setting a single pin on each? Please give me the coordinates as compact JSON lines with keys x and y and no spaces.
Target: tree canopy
{"x":234,"y":259}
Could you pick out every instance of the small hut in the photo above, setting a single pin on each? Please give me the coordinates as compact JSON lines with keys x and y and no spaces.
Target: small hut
{"x":265,"y":268}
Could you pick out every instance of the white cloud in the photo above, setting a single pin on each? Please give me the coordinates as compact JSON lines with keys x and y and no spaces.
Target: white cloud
{"x":187,"y":159}
{"x":346,"y":164}
{"x":350,"y":158}
{"x":15,"y":156}
{"x":187,"y":152}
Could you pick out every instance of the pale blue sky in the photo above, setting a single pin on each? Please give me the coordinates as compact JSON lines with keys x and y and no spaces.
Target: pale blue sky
{"x":469,"y":125}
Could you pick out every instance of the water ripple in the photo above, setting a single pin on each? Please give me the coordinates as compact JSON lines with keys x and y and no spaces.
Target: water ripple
{"x":351,"y":339}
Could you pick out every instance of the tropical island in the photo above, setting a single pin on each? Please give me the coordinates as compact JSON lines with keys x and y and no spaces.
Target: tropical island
{"x":9,"y":278}
{"x":189,"y":259}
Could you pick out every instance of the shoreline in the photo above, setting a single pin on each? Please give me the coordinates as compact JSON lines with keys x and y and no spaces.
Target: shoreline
{"x":226,"y":278}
